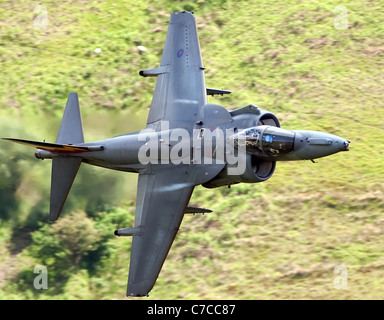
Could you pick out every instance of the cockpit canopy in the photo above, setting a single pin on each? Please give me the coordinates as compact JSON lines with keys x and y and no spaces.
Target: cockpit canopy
{"x":271,"y":141}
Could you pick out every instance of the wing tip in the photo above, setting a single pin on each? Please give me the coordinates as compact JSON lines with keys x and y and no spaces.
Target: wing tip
{"x":182,"y":15}
{"x":140,"y":289}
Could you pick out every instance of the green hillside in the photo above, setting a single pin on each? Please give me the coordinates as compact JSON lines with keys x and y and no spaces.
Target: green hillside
{"x":280,"y":239}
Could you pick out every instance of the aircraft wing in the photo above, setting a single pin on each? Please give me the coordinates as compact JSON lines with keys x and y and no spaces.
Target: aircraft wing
{"x":164,"y":191}
{"x":162,"y":197}
{"x":180,"y":90}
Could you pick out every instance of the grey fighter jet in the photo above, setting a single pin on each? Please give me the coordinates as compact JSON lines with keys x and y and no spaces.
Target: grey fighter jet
{"x":187,"y":142}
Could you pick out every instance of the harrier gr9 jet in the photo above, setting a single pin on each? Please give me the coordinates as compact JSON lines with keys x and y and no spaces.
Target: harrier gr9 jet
{"x":187,"y":142}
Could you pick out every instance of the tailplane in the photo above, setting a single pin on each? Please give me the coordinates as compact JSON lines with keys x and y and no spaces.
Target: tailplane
{"x":65,"y":164}
{"x":56,"y":148}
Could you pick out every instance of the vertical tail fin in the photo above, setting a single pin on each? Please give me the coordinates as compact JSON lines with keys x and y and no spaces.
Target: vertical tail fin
{"x":71,"y":128}
{"x":64,"y":170}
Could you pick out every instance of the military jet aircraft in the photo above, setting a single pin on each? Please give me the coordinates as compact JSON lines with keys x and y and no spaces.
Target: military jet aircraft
{"x":187,"y":142}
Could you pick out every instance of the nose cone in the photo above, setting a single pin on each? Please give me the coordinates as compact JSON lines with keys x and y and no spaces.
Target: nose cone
{"x":315,"y":144}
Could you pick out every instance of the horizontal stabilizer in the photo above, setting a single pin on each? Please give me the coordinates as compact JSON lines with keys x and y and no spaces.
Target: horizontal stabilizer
{"x":55,"y":147}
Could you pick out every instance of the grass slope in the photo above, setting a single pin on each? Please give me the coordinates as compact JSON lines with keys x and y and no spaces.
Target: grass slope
{"x":277,"y":240}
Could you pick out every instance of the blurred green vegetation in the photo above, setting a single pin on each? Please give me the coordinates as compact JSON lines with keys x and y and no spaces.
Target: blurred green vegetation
{"x":277,"y":240}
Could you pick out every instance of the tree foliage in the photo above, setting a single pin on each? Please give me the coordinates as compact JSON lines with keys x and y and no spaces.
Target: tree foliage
{"x":62,"y":245}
